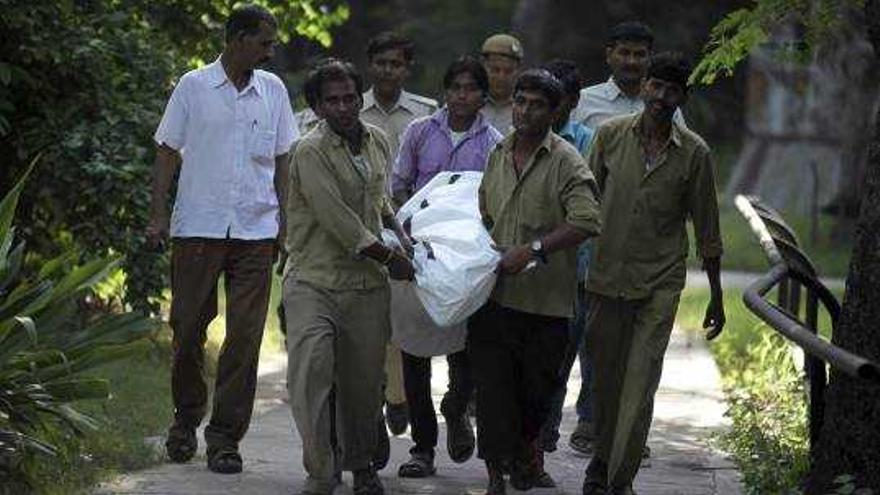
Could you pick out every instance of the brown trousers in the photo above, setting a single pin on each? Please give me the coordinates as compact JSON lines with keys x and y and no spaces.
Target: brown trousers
{"x":196,"y":265}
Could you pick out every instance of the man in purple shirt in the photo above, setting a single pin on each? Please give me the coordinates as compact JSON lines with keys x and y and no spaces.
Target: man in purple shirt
{"x":455,"y":138}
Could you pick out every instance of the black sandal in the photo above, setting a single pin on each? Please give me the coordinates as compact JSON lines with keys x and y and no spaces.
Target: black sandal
{"x":418,"y":466}
{"x":181,"y":444}
{"x":225,"y":460}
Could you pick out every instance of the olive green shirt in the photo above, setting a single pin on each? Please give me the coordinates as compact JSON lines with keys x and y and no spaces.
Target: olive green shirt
{"x":555,"y":187}
{"x":644,"y":241}
{"x":335,"y":206}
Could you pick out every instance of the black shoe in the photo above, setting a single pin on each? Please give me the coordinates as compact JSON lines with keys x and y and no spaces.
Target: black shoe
{"x":460,"y":439}
{"x":419,"y":465}
{"x":626,"y":490}
{"x":581,"y":440}
{"x":397,"y":417}
{"x":595,"y":479}
{"x":224,"y":460}
{"x":181,"y":444}
{"x":383,"y":446}
{"x":367,"y":482}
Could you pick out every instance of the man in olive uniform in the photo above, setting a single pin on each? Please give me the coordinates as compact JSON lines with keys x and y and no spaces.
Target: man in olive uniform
{"x":538,"y":200}
{"x":654,"y":174}
{"x":502,"y":57}
{"x":336,"y":292}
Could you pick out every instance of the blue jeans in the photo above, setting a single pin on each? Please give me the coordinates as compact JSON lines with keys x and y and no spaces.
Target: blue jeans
{"x":576,"y":349}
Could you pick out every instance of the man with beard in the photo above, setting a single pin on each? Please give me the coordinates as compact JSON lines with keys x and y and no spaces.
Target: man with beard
{"x":336,"y":293}
{"x":538,"y":200}
{"x":502,"y":56}
{"x":228,"y":128}
{"x":654,"y":174}
{"x":455,"y":138}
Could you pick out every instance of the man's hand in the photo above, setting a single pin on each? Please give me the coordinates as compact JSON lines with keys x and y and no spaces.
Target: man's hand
{"x":715,"y":318}
{"x":400,"y":267}
{"x":157,"y":229}
{"x":514,"y":260}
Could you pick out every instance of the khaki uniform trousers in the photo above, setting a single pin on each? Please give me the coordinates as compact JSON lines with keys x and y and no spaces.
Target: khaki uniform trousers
{"x":336,"y":344}
{"x":627,"y":340}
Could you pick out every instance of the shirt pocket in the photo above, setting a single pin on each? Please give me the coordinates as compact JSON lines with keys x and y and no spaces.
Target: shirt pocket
{"x":263,"y":147}
{"x":666,"y":210}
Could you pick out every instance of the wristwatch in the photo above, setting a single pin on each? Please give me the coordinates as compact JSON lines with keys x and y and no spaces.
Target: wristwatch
{"x":537,"y":249}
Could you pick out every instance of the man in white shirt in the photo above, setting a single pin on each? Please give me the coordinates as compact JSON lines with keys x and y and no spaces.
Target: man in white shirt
{"x":627,"y":53}
{"x":228,"y":127}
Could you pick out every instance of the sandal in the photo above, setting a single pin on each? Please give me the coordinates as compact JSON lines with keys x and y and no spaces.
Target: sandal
{"x":181,"y":444}
{"x":224,"y":460}
{"x":419,"y":465}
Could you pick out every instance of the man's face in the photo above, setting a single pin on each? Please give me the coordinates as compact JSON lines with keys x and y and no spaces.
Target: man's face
{"x":628,"y":61}
{"x":502,"y":75}
{"x":532,"y":113}
{"x":259,"y":48}
{"x":662,"y":98}
{"x":340,"y":105}
{"x":464,"y":98}
{"x":389,"y":69}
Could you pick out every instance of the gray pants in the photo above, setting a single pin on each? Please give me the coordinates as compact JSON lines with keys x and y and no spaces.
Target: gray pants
{"x":336,"y":343}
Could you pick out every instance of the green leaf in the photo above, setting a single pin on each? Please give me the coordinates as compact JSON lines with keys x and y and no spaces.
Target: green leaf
{"x":78,"y":389}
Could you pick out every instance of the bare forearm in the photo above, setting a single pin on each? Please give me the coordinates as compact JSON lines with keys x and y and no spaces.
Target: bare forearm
{"x":563,"y":237}
{"x":164,"y":168}
{"x":712,"y":267}
{"x":281,"y":179}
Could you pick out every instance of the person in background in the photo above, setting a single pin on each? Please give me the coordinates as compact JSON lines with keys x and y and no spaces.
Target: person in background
{"x":226,"y":220}
{"x":538,"y":201}
{"x":455,"y":138}
{"x":502,"y":57}
{"x":336,"y":292}
{"x":654,"y":174}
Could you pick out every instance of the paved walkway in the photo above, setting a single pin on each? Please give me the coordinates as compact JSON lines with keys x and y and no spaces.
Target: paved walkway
{"x":689,"y":408}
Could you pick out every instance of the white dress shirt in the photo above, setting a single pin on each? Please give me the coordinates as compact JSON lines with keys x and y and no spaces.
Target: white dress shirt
{"x":602,"y":101}
{"x":228,"y":140}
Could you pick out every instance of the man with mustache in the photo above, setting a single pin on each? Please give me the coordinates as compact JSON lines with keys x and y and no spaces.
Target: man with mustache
{"x":228,"y":128}
{"x":653,"y":174}
{"x":502,"y":57}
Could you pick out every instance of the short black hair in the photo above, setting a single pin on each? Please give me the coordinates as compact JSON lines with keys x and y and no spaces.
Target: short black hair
{"x":567,"y":73}
{"x":671,"y":67}
{"x":246,"y":20}
{"x":467,"y":64}
{"x":390,"y":40}
{"x":329,"y":69}
{"x":542,"y":81}
{"x":634,"y":31}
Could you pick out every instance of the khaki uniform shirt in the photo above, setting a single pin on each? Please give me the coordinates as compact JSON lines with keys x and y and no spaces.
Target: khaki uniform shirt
{"x":555,"y":187}
{"x":334,"y":209}
{"x":408,"y":108}
{"x":644,"y":242}
{"x":500,"y":115}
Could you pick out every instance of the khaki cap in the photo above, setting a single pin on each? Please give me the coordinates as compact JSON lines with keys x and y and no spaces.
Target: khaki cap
{"x":503,"y":44}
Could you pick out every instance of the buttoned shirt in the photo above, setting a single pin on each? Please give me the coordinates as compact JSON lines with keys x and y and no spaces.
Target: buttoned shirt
{"x":578,"y":135}
{"x":500,"y":115}
{"x":600,"y":102}
{"x":428,"y":149}
{"x":394,"y":121}
{"x":555,"y":187}
{"x":228,"y":140}
{"x":644,"y":241}
{"x":335,"y":207}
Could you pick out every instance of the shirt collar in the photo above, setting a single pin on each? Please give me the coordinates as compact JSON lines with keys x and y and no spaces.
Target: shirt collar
{"x":404,"y":101}
{"x":674,"y":134}
{"x":338,"y":140}
{"x":546,"y":143}
{"x":217,"y":77}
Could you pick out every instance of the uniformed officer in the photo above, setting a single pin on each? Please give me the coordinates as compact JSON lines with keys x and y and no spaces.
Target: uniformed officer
{"x":502,"y":57}
{"x":654,"y":174}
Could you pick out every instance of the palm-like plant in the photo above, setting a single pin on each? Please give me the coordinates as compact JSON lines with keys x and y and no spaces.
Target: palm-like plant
{"x":46,"y":345}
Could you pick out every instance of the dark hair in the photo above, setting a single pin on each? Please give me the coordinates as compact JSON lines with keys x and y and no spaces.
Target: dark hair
{"x":542,"y":81}
{"x":390,"y":40}
{"x":329,"y":69}
{"x":671,"y":67}
{"x":246,"y":20}
{"x":470,"y":65}
{"x":630,"y":31}
{"x":568,"y":75}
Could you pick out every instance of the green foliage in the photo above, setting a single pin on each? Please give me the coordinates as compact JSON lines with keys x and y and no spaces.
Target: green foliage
{"x":46,"y":343}
{"x":743,"y":30}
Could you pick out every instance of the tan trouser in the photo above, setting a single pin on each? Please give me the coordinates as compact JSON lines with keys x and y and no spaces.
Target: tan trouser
{"x":627,"y":340}
{"x":336,"y":343}
{"x":394,"y":393}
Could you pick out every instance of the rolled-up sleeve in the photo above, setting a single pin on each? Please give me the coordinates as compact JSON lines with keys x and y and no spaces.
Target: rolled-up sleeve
{"x":703,"y":206}
{"x":579,"y":195}
{"x":321,"y":192}
{"x":172,"y":128}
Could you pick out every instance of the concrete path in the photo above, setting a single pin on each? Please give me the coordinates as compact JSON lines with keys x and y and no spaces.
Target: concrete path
{"x":741,"y":280}
{"x":689,"y":408}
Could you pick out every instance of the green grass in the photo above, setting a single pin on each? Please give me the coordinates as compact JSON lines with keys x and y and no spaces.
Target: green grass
{"x":139,"y":408}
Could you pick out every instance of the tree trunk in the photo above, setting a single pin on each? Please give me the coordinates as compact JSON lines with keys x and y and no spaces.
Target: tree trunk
{"x":850,"y":438}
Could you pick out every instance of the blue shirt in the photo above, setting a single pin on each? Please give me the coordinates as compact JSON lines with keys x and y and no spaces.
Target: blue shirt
{"x":579,"y":135}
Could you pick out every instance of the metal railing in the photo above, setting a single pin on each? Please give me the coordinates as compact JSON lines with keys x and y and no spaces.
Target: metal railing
{"x":792,"y":272}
